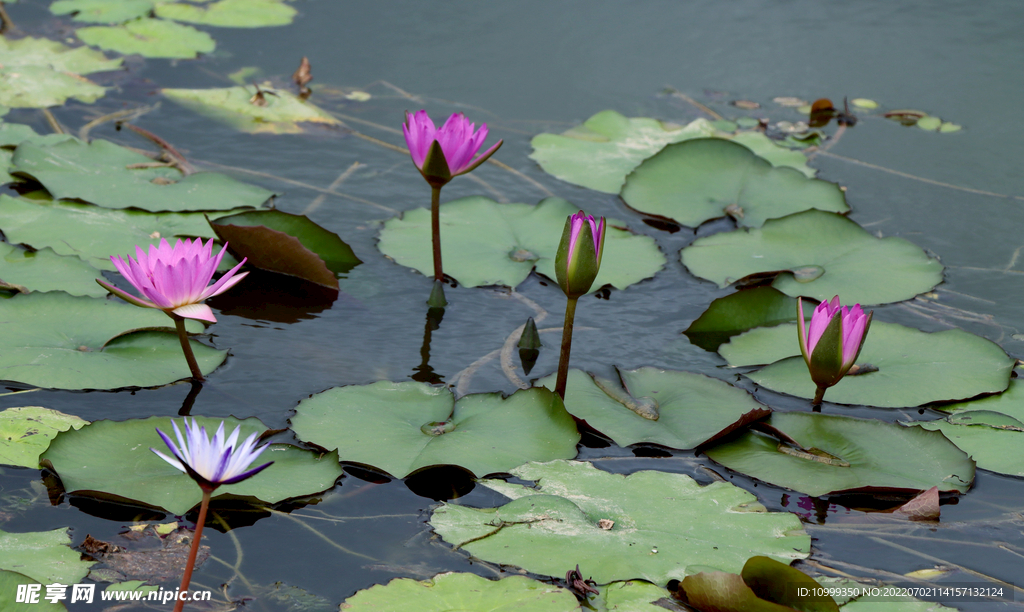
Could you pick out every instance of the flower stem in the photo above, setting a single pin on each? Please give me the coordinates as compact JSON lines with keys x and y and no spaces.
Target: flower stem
{"x":196,"y":537}
{"x":563,"y":358}
{"x":179,"y":324}
{"x":819,"y":394}
{"x":435,"y":230}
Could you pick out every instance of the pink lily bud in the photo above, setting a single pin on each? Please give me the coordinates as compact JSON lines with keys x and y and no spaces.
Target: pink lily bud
{"x":832,"y":342}
{"x":579,"y":254}
{"x":441,"y":154}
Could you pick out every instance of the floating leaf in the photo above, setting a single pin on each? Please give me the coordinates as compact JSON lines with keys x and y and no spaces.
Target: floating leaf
{"x":691,"y":409}
{"x":914,"y":367}
{"x":1009,"y":402}
{"x":694,"y":181}
{"x":37,"y":72}
{"x":230,"y":13}
{"x":149,"y":38}
{"x":486,"y":243}
{"x":9,"y":583}
{"x":102,"y":11}
{"x":52,"y":54}
{"x":288,"y":244}
{"x":929,"y":123}
{"x":154,"y":482}
{"x":13,"y":134}
{"x":666,"y":525}
{"x":841,"y":454}
{"x":461,"y":591}
{"x":995,"y":448}
{"x":26,"y":431}
{"x":771,"y":151}
{"x":858,"y":266}
{"x":282,"y":113}
{"x":404,"y":427}
{"x":608,"y":146}
{"x":99,"y":173}
{"x":882,"y":602}
{"x":45,"y":270}
{"x":948,"y":127}
{"x":43,"y":556}
{"x":864,"y":103}
{"x":93,"y":233}
{"x":56,"y":341}
{"x":737,"y":312}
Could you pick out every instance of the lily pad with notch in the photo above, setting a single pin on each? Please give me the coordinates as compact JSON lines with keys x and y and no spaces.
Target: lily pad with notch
{"x":665,"y":526}
{"x":43,"y":556}
{"x":111,"y":176}
{"x":281,"y":112}
{"x":26,"y":431}
{"x":11,"y":583}
{"x":913,"y":367}
{"x":58,"y":341}
{"x":649,"y":405}
{"x":816,"y":254}
{"x":38,"y":73}
{"x":738,"y":312}
{"x":463,"y":591}
{"x":993,"y":439}
{"x":705,"y":178}
{"x":154,"y":482}
{"x":102,"y":11}
{"x":401,"y":428}
{"x":148,"y":37}
{"x":820,"y":454}
{"x":287,"y":244}
{"x":487,"y":243}
{"x":94,"y":233}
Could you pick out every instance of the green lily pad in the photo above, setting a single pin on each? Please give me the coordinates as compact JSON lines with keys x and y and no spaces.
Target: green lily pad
{"x":93,"y":233}
{"x":701,"y":179}
{"x":152,"y":481}
{"x":601,"y":152}
{"x":45,"y":270}
{"x":665,"y":525}
{"x":102,"y":11}
{"x":929,"y":123}
{"x":886,"y":602}
{"x":43,"y":556}
{"x":737,"y":312}
{"x":26,"y":431}
{"x":288,"y":244}
{"x":13,"y":134}
{"x":230,"y":13}
{"x":841,"y":454}
{"x":404,"y":427}
{"x":914,"y":367}
{"x":691,"y":409}
{"x":994,"y":448}
{"x":282,"y":113}
{"x":460,"y":591}
{"x":9,"y":582}
{"x":629,"y":596}
{"x":853,"y":263}
{"x":773,"y":152}
{"x":486,"y":243}
{"x":41,"y":87}
{"x":57,"y":341}
{"x":98,"y":172}
{"x":149,"y":38}
{"x":1009,"y":402}
{"x":43,"y":52}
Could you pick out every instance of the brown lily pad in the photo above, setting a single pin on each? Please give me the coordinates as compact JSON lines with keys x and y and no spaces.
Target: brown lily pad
{"x":152,"y":558}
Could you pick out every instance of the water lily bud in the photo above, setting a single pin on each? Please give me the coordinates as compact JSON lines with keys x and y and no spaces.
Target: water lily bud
{"x":579,"y":254}
{"x":831,"y":344}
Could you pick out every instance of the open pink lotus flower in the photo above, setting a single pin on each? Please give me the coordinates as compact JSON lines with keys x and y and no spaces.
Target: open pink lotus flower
{"x":175,"y":280}
{"x":457,"y":141}
{"x":832,"y":342}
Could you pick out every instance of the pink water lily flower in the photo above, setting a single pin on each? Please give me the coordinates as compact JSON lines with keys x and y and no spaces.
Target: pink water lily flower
{"x":832,"y":342}
{"x":578,"y":259}
{"x":175,"y":280}
{"x":459,"y":142}
{"x":215,"y":461}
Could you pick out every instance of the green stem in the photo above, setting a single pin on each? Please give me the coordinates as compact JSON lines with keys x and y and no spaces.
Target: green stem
{"x":818,"y":396}
{"x":563,"y":358}
{"x":435,"y":230}
{"x":186,"y":347}
{"x":196,"y":537}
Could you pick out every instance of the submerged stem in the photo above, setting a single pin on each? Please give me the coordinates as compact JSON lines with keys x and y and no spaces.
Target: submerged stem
{"x":563,"y":358}
{"x":435,"y":230}
{"x":186,"y":347}
{"x":196,"y":537}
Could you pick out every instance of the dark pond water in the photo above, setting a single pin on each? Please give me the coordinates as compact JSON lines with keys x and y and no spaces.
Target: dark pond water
{"x":526,"y":67}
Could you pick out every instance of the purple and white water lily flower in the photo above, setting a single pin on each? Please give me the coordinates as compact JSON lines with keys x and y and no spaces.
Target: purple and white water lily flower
{"x":212,"y":462}
{"x":175,"y":279}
